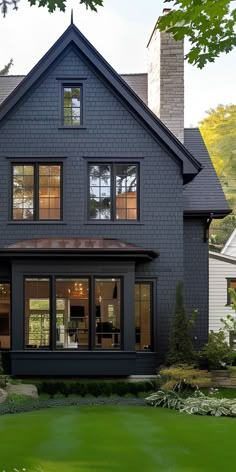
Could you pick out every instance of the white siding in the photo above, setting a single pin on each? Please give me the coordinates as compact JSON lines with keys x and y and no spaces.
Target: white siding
{"x":219,"y":271}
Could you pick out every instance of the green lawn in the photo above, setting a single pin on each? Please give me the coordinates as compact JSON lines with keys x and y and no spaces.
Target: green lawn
{"x":114,"y":439}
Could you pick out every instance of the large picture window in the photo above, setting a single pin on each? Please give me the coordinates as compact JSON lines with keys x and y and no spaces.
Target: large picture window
{"x":68,"y":319}
{"x":36,"y":191}
{"x":113,"y":192}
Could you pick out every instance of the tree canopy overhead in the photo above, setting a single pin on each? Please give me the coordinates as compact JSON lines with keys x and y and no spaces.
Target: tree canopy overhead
{"x":209,"y":25}
{"x":51,"y":5}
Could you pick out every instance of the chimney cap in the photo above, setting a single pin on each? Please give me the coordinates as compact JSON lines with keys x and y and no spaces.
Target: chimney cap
{"x":166,"y":10}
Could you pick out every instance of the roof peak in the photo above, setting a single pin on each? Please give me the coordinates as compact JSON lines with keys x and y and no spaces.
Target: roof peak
{"x":160,"y":132}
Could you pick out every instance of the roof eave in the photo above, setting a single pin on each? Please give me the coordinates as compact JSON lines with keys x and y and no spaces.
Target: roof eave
{"x":215,"y":214}
{"x":139,"y":254}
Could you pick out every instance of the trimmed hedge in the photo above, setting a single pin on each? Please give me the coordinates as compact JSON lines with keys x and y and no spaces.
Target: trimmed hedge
{"x":9,"y":407}
{"x":98,"y":388}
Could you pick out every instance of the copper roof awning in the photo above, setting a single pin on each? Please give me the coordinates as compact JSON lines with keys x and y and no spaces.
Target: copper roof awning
{"x":78,"y":247}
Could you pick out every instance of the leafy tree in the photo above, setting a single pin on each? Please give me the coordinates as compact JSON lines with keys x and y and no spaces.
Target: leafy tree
{"x":180,"y":343}
{"x":52,"y":5}
{"x":208,"y":25}
{"x":220,"y":231}
{"x":219,"y":133}
{"x":217,"y":351}
{"x":5,"y":70}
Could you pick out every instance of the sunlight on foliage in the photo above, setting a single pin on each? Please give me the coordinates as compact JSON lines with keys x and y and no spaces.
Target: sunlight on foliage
{"x":208,"y":25}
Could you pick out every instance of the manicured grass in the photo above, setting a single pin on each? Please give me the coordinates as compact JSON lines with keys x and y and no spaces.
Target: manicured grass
{"x":116,"y":439}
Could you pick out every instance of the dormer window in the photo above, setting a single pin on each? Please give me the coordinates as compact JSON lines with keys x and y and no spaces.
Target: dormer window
{"x":72,"y":105}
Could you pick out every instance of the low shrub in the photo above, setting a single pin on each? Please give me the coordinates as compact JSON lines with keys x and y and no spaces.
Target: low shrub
{"x":95,"y":388}
{"x":181,"y":377}
{"x":204,"y":405}
{"x":3,"y":381}
{"x":169,"y":399}
{"x":18,"y":399}
{"x":197,"y":404}
{"x":9,"y":407}
{"x":217,"y":351}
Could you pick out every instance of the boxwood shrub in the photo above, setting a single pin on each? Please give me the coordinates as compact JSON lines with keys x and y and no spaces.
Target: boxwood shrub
{"x":94,"y":388}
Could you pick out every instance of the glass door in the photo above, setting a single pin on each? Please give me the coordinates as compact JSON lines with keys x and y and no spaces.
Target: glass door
{"x":72,"y":313}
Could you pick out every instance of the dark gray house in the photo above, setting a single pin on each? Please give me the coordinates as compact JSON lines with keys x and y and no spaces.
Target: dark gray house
{"x":103,"y":209}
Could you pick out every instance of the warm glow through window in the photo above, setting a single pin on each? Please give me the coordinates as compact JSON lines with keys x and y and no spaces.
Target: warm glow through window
{"x":36,"y":192}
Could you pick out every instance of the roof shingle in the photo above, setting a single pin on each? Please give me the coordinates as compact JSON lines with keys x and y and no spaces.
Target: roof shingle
{"x":204,"y":193}
{"x":7,"y":84}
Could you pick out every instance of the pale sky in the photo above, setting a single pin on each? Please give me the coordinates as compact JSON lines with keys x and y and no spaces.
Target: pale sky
{"x":120,"y":31}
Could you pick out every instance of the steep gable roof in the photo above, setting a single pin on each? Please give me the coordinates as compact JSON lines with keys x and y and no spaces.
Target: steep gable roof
{"x":7,"y":84}
{"x":204,"y":194}
{"x":222,"y":257}
{"x":190,"y":165}
{"x":139,"y":84}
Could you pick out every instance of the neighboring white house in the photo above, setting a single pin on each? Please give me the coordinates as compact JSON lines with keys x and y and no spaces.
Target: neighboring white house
{"x":229,"y":248}
{"x":222,"y":276}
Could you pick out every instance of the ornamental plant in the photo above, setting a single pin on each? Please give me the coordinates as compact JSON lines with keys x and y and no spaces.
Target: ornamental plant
{"x":217,"y":351}
{"x":182,"y":377}
{"x":180,"y":343}
{"x":229,"y":322}
{"x":197,"y":404}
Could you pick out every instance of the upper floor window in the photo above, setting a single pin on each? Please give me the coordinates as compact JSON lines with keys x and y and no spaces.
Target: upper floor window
{"x":113,"y":191}
{"x":72,"y":109}
{"x":36,"y":192}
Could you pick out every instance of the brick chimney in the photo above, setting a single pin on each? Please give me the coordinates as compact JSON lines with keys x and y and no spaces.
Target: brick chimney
{"x":166,"y":80}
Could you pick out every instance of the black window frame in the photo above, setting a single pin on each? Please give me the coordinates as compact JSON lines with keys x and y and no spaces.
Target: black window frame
{"x":36,"y":166}
{"x":113,"y":165}
{"x":152,"y":284}
{"x":4,"y":280}
{"x":229,"y":280}
{"x":92,"y":311}
{"x":72,"y":84}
